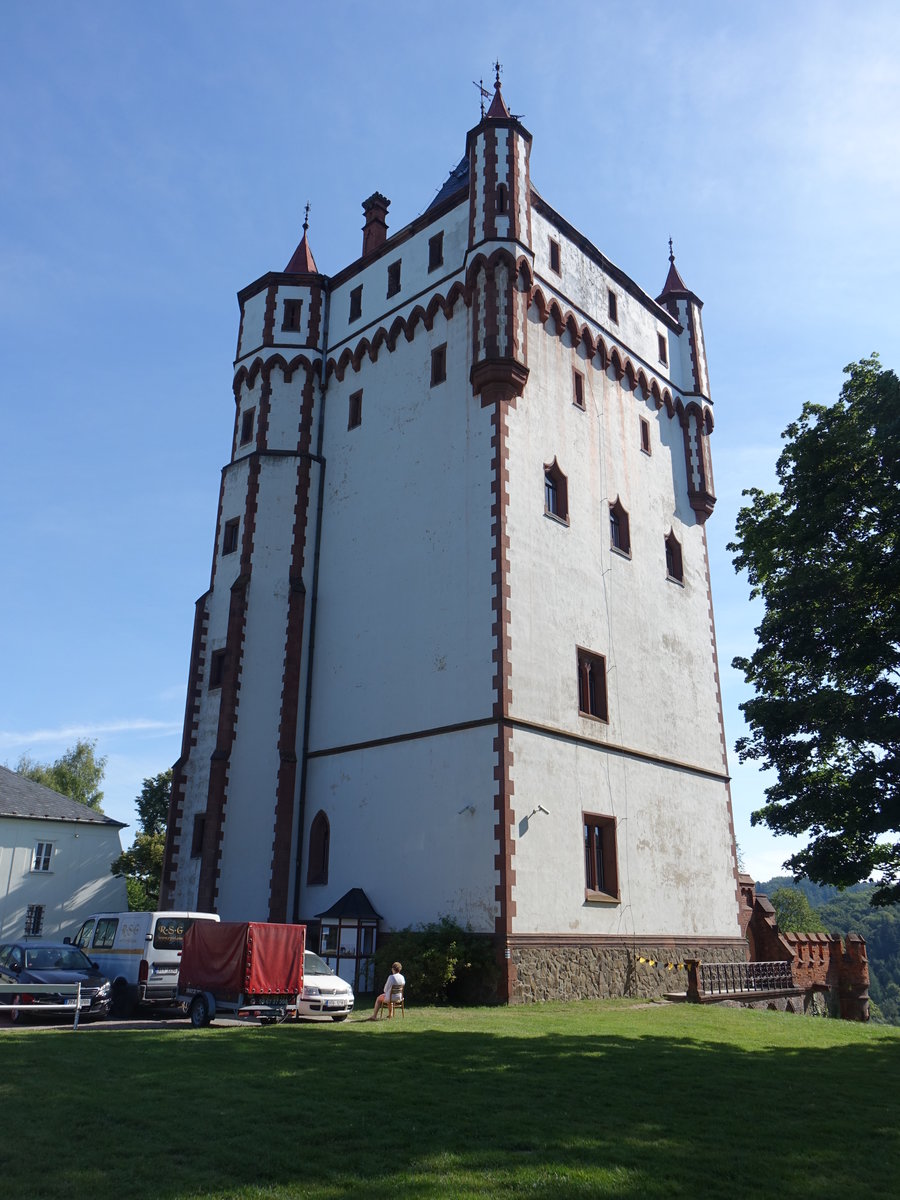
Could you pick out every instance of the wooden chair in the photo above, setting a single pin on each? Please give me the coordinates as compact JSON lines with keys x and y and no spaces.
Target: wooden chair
{"x":395,"y":1000}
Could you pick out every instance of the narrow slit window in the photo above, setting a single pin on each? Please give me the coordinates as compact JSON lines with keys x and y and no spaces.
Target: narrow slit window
{"x":592,"y":685}
{"x":501,"y":198}
{"x":293,"y":312}
{"x":645,"y":435}
{"x":439,"y":364}
{"x":554,"y":255}
{"x":354,"y":417}
{"x":216,"y":669}
{"x":230,"y":540}
{"x":577,"y":389}
{"x":619,"y":529}
{"x":674,"y":561}
{"x":247,"y":426}
{"x":393,"y":286}
{"x":319,"y":846}
{"x":436,"y":251}
{"x":356,"y":303}
{"x":612,"y":305}
{"x":556,"y":492}
{"x":663,"y":352}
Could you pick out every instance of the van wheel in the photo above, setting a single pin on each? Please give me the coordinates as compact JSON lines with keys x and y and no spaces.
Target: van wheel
{"x":199,"y":1012}
{"x":123,"y":1001}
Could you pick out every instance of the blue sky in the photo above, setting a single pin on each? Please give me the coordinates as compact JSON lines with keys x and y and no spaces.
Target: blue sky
{"x":157,"y":158}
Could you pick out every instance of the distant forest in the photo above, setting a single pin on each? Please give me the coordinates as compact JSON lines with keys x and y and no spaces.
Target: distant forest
{"x":851,"y":912}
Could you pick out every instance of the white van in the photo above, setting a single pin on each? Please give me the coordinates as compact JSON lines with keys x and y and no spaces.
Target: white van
{"x":139,"y":952}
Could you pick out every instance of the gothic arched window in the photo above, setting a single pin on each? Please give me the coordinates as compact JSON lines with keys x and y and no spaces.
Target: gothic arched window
{"x":319,"y":837}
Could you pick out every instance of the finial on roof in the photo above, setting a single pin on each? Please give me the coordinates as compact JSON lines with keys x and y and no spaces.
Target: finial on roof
{"x":306,"y":220}
{"x":674,"y":284}
{"x":498,"y":104}
{"x":302,"y":261}
{"x":671,"y":252}
{"x":498,"y":69}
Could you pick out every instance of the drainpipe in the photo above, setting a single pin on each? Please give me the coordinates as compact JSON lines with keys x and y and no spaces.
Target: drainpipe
{"x":310,"y":652}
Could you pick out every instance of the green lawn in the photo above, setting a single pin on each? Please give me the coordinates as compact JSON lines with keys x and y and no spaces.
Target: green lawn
{"x":558,"y":1100}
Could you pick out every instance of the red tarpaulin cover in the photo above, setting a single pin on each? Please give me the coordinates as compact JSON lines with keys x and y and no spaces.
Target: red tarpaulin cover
{"x":253,"y":957}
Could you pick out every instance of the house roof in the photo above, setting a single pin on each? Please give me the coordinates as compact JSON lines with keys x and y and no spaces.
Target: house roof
{"x":22,"y":797}
{"x":355,"y":905}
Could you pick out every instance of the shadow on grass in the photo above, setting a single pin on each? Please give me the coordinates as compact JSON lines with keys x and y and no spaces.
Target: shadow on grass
{"x":279,"y":1113}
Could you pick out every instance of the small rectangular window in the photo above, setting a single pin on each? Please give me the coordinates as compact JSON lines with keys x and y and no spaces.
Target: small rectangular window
{"x":592,"y":685}
{"x":612,"y":305}
{"x":356,"y":303}
{"x":230,"y":540}
{"x":394,"y":278}
{"x":554,"y":255}
{"x":247,"y":426}
{"x":578,"y":386}
{"x":436,"y":251}
{"x":43,"y":852}
{"x":645,"y":435}
{"x":197,"y":839}
{"x":34,"y":920}
{"x":601,"y":875}
{"x":355,"y":415}
{"x":439,"y":364}
{"x":663,"y":352}
{"x":293,"y":310}
{"x":216,"y":669}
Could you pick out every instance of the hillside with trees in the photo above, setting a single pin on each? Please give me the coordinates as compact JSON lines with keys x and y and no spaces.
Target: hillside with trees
{"x":846,"y":912}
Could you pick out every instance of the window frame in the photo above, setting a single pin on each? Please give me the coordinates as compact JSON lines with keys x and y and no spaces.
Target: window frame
{"x":556,"y":489}
{"x":674,"y":558}
{"x":601,"y":857}
{"x":292,"y":314}
{"x":619,"y":529}
{"x":42,"y":857}
{"x":555,"y":257}
{"x":393,"y":278}
{"x":662,"y":348}
{"x":354,"y":409}
{"x":247,"y":420}
{"x":645,"y":437}
{"x":589,"y":662}
{"x":216,"y":670}
{"x":439,"y":364}
{"x":355,"y":303}
{"x":436,"y":251}
{"x":34,"y":919}
{"x":612,"y":306}
{"x":231,"y":535}
{"x":578,"y":388}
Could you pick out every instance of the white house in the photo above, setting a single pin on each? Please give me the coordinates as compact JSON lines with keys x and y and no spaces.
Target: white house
{"x":55,"y":858}
{"x":458,"y":648}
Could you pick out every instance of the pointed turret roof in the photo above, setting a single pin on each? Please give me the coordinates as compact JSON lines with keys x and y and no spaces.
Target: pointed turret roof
{"x":302,"y":261}
{"x":498,"y":107}
{"x":674,"y":285}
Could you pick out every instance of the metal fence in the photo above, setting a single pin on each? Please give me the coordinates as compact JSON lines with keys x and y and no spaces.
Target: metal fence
{"x":725,"y":978}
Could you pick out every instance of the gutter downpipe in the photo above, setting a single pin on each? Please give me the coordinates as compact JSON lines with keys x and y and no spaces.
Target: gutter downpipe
{"x":320,"y":503}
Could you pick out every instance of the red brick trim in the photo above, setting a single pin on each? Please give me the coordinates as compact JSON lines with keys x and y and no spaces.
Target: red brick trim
{"x":489,"y":184}
{"x":269,"y":319}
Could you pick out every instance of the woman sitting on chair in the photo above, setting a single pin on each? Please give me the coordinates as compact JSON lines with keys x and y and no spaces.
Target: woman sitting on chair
{"x":394,"y":980}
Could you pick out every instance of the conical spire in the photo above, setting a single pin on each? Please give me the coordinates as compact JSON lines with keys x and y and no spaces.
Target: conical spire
{"x":674,"y":283}
{"x":302,"y":261}
{"x":498,"y":104}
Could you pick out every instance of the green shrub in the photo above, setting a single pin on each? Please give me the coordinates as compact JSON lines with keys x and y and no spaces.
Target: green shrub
{"x":442,"y":963}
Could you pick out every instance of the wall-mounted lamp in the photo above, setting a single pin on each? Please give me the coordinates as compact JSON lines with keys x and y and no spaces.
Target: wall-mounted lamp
{"x":540,"y":808}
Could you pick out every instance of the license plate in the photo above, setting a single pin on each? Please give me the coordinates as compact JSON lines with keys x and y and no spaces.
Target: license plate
{"x":67,"y":1000}
{"x":335,"y":1003}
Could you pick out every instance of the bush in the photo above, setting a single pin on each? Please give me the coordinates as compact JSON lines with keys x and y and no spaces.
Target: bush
{"x":442,"y":963}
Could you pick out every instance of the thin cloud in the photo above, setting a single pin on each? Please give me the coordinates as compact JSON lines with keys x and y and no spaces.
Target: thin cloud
{"x":66,"y":733}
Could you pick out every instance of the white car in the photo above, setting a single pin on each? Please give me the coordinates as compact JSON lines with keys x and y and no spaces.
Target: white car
{"x":324,"y":993}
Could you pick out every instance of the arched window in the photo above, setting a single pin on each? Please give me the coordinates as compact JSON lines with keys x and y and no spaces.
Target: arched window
{"x":319,"y":837}
{"x":619,"y":530}
{"x":674,"y":564}
{"x":556,"y":492}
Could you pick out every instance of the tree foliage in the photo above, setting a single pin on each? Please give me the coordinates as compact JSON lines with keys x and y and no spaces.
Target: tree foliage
{"x":794,"y":912}
{"x":441,"y":962}
{"x":822,"y":553}
{"x":77,"y":774}
{"x":142,"y":862}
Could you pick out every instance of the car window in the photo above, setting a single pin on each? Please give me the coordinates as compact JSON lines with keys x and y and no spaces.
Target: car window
{"x":4,"y":954}
{"x":55,"y":958}
{"x":105,"y":933}
{"x":15,"y":957}
{"x":313,"y":965}
{"x":83,"y":936}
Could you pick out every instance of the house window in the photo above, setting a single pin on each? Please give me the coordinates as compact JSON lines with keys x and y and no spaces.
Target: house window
{"x":674,"y":564}
{"x":354,"y":417}
{"x":34,"y":920}
{"x":356,"y":303}
{"x":501,"y":198}
{"x":43,"y":852}
{"x":601,"y":875}
{"x":394,"y":278}
{"x":216,"y":669}
{"x":578,"y":388}
{"x":554,"y":255}
{"x":230,"y":540}
{"x":247,"y":426}
{"x":612,"y":305}
{"x":619,"y":531}
{"x":439,"y":364}
{"x":292,"y":313}
{"x":436,"y":251}
{"x":197,"y":839}
{"x":556,"y":492}
{"x":592,"y":685}
{"x":645,"y":435}
{"x":319,"y":838}
{"x":663,"y":352}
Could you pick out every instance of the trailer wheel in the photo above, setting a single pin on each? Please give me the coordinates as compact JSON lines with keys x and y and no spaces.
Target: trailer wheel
{"x":199,"y":1012}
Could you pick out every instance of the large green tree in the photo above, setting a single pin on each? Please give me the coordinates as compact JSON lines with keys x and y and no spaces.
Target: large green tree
{"x":794,"y":912}
{"x":142,"y":862}
{"x":823,"y":554}
{"x":77,"y":774}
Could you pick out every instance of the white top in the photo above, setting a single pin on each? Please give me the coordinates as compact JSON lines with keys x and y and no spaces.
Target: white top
{"x":392,"y":982}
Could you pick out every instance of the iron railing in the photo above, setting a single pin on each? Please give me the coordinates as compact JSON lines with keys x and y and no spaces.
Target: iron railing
{"x":725,"y":978}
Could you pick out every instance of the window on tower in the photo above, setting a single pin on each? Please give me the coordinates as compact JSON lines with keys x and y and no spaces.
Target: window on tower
{"x":436,"y":251}
{"x":293,"y":310}
{"x":439,"y":364}
{"x":619,"y":529}
{"x":230,"y":540}
{"x":394,"y":278}
{"x":356,"y":303}
{"x":592,"y":685}
{"x":247,"y":426}
{"x":197,"y":839}
{"x":501,"y":198}
{"x":645,"y":435}
{"x":216,"y":669}
{"x":601,"y":875}
{"x":556,"y":492}
{"x":554,"y":255}
{"x":578,"y":389}
{"x":674,"y":563}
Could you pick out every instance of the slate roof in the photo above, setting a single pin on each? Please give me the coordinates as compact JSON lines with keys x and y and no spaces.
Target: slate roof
{"x":455,"y":182}
{"x":22,"y":797}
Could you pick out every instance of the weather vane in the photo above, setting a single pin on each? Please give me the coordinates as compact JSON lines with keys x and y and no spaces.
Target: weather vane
{"x":479,"y":83}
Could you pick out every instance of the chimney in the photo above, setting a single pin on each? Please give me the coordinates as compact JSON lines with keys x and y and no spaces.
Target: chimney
{"x":375,"y":228}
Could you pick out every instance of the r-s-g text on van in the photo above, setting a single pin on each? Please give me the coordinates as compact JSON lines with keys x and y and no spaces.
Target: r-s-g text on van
{"x":139,"y":952}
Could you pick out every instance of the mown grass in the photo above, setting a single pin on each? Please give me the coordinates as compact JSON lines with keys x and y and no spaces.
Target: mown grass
{"x":558,"y":1100}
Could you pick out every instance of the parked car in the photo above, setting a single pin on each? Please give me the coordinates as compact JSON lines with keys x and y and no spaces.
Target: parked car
{"x":324,"y":993}
{"x":140,"y":952}
{"x":22,"y":963}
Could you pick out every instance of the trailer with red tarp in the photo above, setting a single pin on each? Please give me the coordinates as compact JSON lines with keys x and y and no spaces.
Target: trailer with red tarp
{"x":241,"y":968}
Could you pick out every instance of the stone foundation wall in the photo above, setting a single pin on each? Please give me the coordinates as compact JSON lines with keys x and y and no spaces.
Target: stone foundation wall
{"x":600,"y":972}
